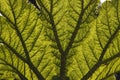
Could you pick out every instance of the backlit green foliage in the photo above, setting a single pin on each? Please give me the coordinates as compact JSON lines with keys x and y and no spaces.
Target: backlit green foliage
{"x":65,"y":40}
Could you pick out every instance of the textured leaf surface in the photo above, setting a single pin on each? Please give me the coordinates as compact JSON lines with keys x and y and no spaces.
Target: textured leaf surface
{"x":67,"y":39}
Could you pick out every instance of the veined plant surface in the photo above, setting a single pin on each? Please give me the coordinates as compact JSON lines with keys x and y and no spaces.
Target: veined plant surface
{"x":64,"y":40}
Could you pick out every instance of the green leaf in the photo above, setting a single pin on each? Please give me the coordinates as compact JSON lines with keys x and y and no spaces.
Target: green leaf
{"x":64,"y":40}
